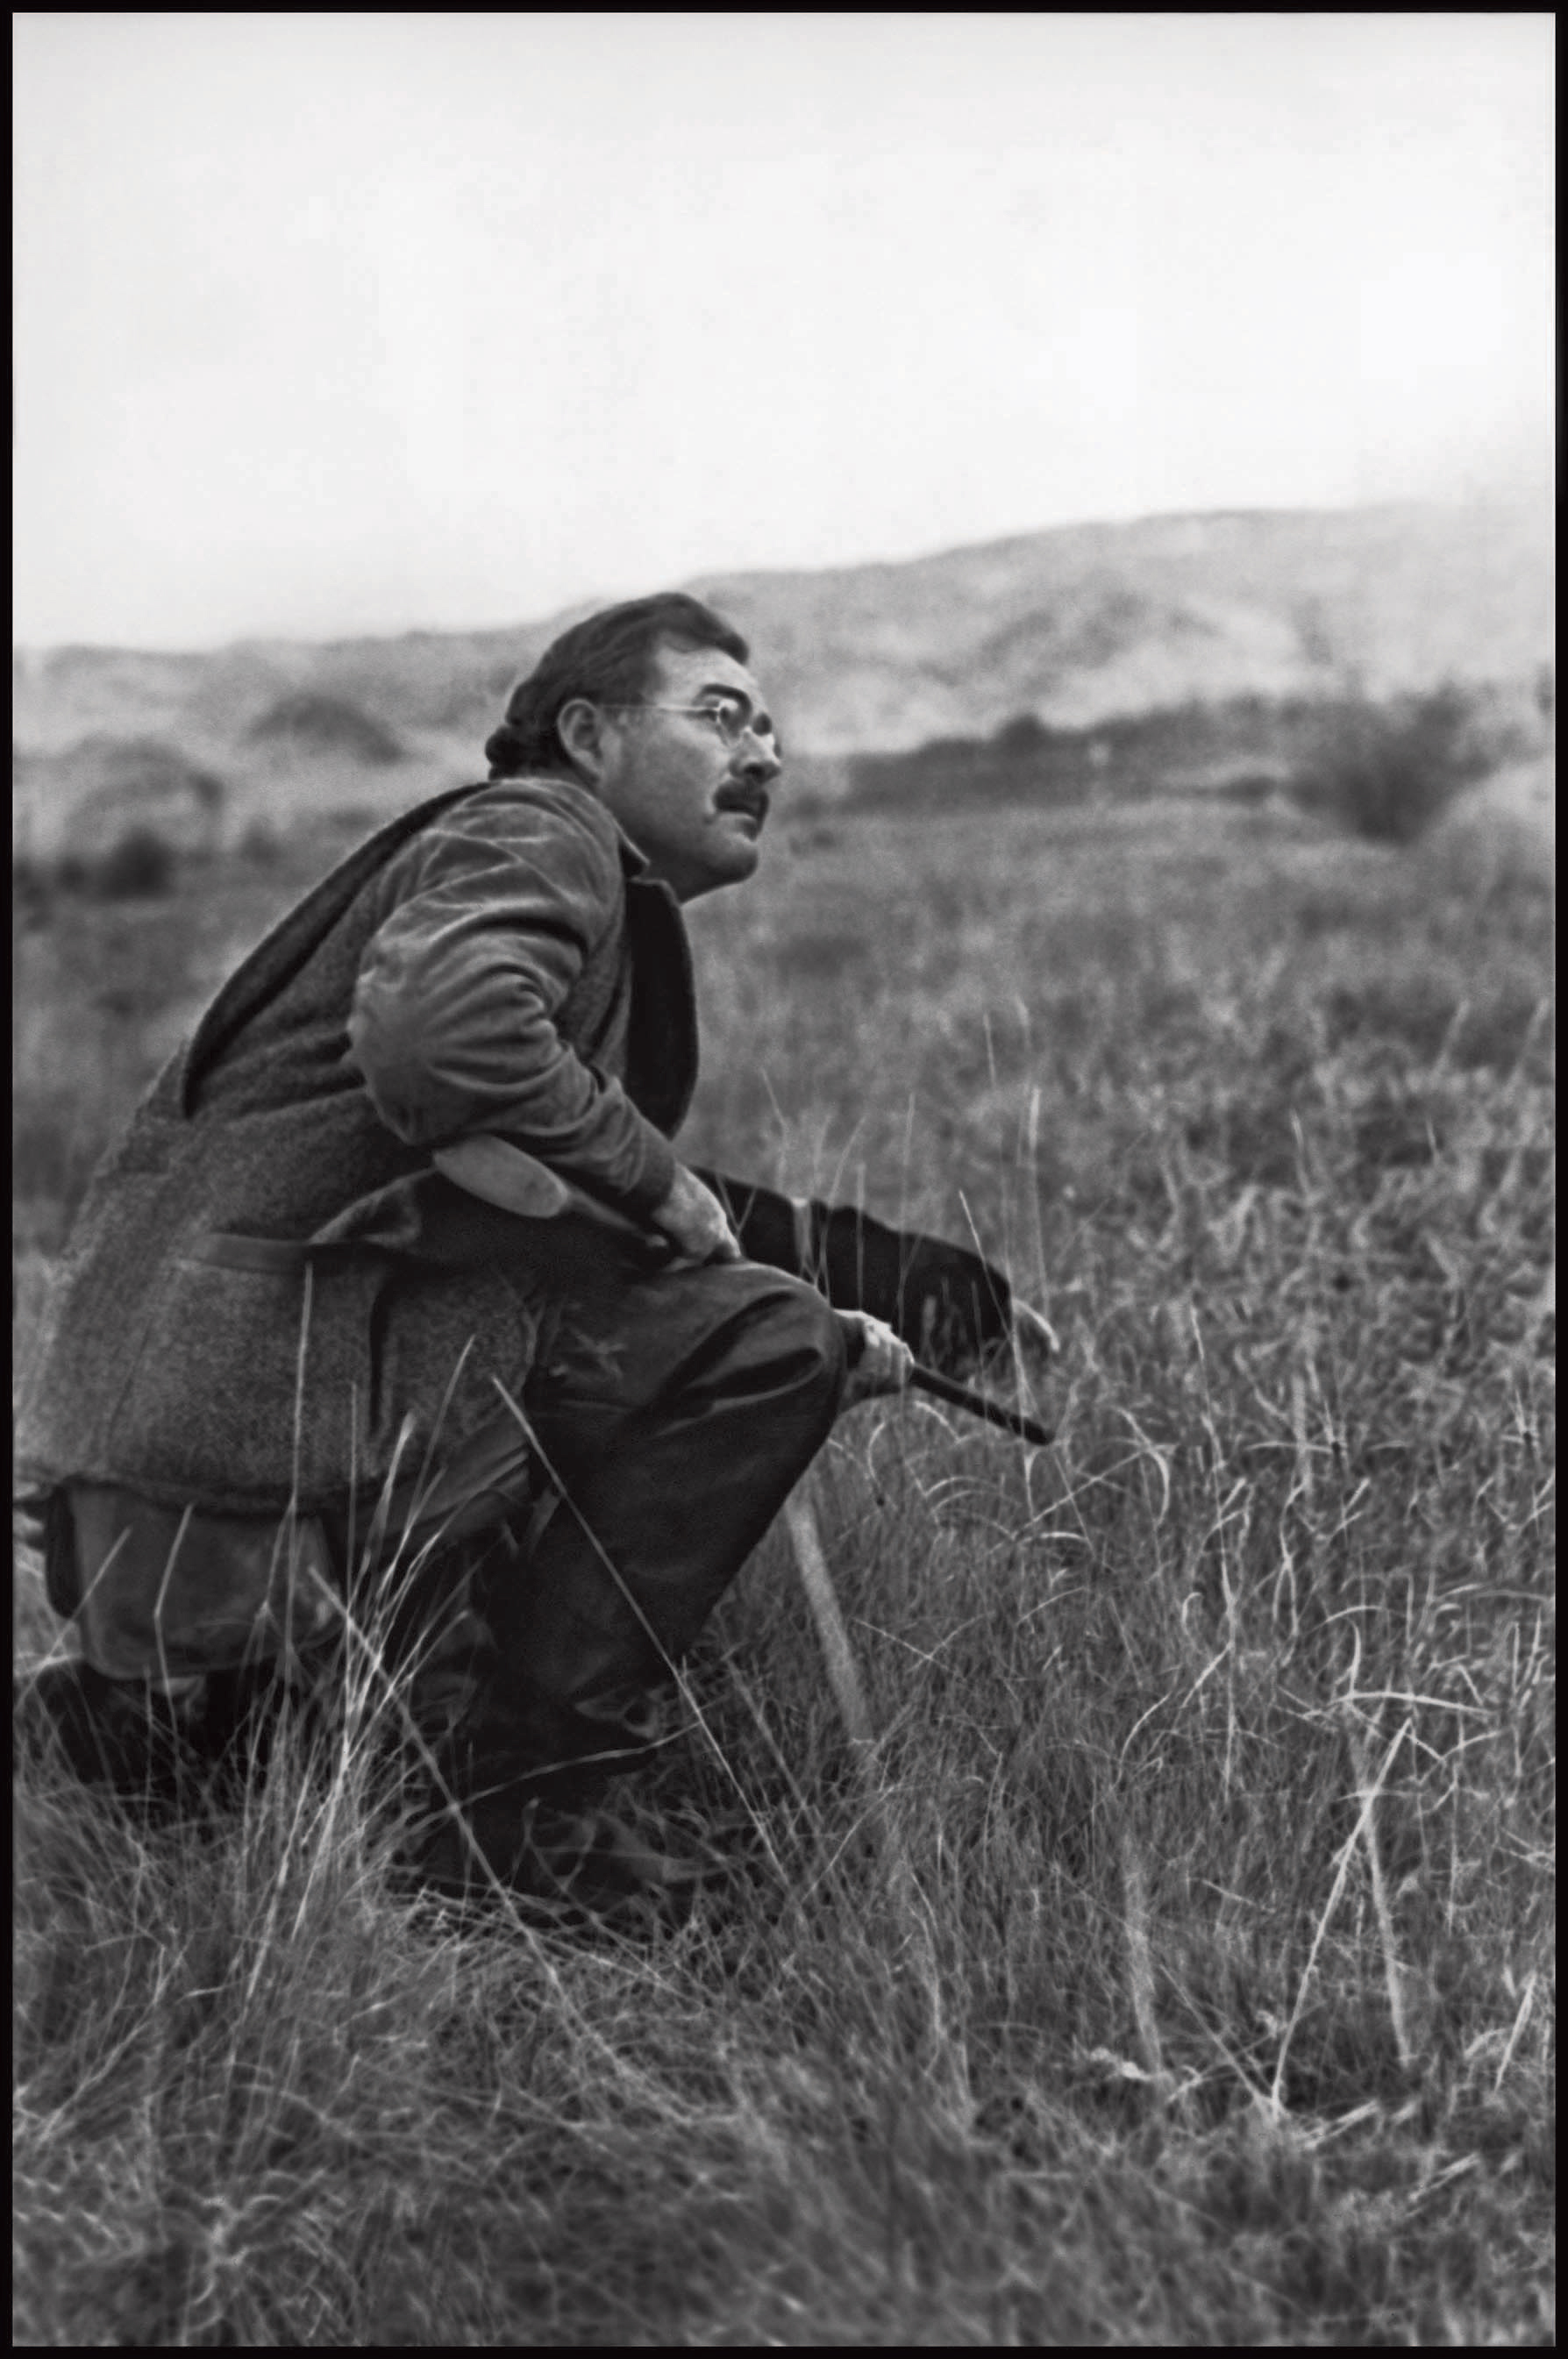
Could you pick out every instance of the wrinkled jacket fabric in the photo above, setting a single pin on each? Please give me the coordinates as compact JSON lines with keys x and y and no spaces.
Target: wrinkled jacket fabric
{"x":494,"y":960}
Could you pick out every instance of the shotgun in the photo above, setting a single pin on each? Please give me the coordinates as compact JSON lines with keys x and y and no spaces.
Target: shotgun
{"x":501,"y":1174}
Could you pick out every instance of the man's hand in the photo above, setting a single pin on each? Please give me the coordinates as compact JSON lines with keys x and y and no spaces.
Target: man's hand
{"x":696,"y":1221}
{"x":878,"y":1362}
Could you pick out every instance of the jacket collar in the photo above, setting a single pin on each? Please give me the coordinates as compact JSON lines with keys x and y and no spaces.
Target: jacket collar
{"x":633,"y":861}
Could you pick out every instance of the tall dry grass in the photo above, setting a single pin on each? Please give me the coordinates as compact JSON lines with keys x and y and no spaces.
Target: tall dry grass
{"x":1185,"y":1974}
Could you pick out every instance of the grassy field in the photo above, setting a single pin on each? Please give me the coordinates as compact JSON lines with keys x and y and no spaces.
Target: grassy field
{"x":1180,"y":1968}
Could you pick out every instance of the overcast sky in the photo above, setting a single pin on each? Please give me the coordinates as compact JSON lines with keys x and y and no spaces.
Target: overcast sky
{"x":343,"y":322}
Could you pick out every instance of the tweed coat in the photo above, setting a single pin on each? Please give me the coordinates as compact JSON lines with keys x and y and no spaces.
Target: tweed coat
{"x":514,"y":919}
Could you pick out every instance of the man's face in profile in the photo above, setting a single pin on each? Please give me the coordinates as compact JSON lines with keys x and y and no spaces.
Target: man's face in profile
{"x":690,"y":787}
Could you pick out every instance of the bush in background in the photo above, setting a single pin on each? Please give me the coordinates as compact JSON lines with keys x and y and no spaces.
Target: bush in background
{"x":1386,"y":772}
{"x":261,"y":846}
{"x":308,"y":722}
{"x":140,"y":866}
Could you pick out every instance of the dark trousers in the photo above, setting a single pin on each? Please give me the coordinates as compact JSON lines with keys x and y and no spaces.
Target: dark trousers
{"x":670,"y":1413}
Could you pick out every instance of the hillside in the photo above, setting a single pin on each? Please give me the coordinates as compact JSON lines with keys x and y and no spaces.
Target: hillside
{"x":1093,"y":621}
{"x":1074,"y":625}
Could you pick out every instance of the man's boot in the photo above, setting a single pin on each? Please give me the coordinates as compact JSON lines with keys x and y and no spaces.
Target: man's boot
{"x":583,"y":1864}
{"x":519,"y":1804}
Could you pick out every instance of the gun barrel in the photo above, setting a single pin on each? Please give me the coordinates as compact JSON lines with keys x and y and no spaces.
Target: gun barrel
{"x":1011,"y":1420}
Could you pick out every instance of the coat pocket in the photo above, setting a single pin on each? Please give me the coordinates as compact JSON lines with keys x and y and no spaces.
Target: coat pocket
{"x":252,"y":1386}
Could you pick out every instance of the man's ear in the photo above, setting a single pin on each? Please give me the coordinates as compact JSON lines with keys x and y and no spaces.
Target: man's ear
{"x":580,"y":725}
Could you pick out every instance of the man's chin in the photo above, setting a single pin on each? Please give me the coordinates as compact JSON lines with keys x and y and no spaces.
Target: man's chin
{"x":727,"y":859}
{"x":736,"y":870}
{"x":738,"y":848}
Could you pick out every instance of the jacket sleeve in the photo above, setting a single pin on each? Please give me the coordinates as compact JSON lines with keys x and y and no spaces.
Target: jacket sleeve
{"x":492,"y":913}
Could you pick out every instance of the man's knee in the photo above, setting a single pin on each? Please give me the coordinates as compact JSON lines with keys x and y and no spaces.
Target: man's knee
{"x":804,"y":1339}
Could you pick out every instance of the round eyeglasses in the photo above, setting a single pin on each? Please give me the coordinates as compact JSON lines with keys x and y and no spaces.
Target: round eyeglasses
{"x":729,"y":717}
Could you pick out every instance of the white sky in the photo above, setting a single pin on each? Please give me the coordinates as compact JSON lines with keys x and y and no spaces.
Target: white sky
{"x":356,"y":321}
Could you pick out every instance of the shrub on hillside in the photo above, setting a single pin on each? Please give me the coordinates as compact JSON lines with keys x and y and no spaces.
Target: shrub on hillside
{"x":1387,"y":771}
{"x":139,"y":867}
{"x":261,"y":846}
{"x":308,"y":722}
{"x":1025,"y":734}
{"x":32,"y":889}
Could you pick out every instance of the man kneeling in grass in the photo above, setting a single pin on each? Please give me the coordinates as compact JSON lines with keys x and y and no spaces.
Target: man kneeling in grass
{"x":395,"y":1284}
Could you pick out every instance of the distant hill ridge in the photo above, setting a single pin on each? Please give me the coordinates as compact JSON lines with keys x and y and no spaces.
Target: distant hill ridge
{"x":1074,"y":625}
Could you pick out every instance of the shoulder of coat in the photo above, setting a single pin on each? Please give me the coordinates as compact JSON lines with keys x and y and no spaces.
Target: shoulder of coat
{"x":548,"y":792}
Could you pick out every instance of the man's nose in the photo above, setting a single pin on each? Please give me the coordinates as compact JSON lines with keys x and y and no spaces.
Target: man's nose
{"x":759,"y":758}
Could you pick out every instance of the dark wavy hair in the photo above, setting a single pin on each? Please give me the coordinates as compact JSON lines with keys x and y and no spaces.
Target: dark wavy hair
{"x":609,"y":659}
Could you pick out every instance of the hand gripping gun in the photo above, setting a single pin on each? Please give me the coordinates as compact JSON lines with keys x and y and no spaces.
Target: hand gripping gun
{"x":499,"y":1173}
